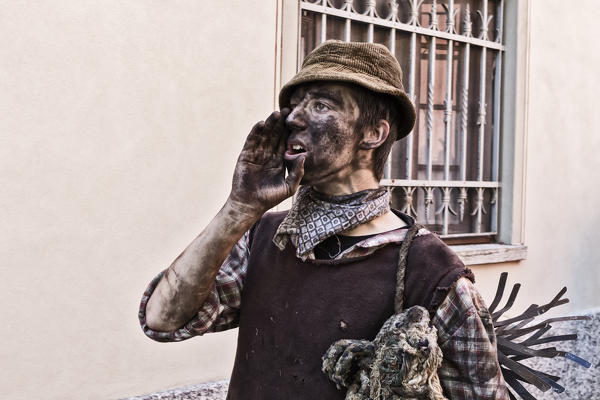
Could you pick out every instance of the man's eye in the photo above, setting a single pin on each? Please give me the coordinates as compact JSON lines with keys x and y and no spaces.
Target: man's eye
{"x":321,"y":106}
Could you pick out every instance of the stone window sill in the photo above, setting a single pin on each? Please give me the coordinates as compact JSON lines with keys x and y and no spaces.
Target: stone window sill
{"x":474,"y":254}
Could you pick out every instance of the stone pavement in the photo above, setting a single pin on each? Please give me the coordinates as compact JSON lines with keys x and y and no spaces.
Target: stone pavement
{"x":580,"y":383}
{"x":206,"y":391}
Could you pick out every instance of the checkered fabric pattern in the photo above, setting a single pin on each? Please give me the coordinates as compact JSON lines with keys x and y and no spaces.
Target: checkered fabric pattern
{"x":220,"y":310}
{"x":469,"y":369}
{"x":314,"y":217}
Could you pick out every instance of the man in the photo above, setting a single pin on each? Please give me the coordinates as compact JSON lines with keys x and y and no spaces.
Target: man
{"x":296,"y":282}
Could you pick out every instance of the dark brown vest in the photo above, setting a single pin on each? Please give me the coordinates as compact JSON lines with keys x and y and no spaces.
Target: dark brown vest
{"x":293,"y":310}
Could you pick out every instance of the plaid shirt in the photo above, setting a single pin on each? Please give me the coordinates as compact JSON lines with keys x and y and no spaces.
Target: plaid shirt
{"x":469,"y":370}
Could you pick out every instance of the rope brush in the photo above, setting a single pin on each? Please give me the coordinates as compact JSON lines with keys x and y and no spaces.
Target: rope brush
{"x":514,"y":345}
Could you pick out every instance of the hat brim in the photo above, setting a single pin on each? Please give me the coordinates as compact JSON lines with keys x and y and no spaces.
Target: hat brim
{"x":405,"y":110}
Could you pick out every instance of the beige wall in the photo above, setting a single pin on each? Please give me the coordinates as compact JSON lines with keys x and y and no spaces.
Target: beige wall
{"x":120,"y":123}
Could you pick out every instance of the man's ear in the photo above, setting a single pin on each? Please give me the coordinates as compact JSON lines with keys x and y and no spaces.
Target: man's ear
{"x":374,"y":136}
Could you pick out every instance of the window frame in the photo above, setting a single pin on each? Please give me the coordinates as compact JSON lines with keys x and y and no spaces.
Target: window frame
{"x":509,"y":245}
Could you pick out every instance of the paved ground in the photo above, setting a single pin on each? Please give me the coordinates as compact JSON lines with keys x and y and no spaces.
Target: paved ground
{"x":580,"y":383}
{"x":205,"y":391}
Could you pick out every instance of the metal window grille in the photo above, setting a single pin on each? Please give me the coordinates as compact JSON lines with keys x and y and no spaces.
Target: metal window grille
{"x":445,"y":173}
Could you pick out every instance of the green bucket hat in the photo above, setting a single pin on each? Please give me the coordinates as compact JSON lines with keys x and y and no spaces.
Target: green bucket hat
{"x":369,"y":65}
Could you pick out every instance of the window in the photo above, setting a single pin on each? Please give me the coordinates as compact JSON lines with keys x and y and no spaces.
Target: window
{"x":446,"y":172}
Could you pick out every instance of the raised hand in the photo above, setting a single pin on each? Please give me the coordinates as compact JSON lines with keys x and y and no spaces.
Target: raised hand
{"x":259,"y":181}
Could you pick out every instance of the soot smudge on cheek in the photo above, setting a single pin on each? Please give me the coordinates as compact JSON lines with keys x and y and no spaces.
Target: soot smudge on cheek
{"x":332,"y":135}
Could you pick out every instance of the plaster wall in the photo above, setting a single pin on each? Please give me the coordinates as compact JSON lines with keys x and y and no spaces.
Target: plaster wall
{"x":120,"y":124}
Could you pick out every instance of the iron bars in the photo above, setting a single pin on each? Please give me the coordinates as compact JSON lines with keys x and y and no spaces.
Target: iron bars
{"x":446,"y":173}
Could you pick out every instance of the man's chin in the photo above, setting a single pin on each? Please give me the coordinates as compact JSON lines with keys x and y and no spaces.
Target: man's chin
{"x":305,"y":181}
{"x":307,"y":178}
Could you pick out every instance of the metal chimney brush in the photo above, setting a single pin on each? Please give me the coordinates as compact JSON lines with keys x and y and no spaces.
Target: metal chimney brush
{"x":516,"y":336}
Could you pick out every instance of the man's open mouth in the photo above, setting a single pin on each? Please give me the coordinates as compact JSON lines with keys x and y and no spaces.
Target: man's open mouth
{"x":295,"y":149}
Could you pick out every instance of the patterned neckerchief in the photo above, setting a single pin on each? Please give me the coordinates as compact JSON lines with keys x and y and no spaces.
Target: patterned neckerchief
{"x":314,"y":216}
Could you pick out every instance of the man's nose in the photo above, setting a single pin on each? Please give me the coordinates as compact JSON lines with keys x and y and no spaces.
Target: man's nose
{"x":295,"y":119}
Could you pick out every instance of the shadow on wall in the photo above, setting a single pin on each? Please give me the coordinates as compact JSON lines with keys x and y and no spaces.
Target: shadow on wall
{"x":583,"y":259}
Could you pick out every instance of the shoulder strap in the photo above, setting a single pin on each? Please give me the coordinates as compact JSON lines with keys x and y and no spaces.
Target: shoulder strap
{"x":410,"y":235}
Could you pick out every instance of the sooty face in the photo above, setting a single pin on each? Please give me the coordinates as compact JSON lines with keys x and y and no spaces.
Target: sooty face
{"x":322,"y":127}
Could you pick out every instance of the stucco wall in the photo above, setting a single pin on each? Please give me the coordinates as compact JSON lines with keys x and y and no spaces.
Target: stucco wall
{"x":120,"y":124}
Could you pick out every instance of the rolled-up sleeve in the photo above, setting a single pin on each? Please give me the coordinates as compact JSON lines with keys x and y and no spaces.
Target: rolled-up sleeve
{"x":470,"y":368}
{"x":220,"y":310}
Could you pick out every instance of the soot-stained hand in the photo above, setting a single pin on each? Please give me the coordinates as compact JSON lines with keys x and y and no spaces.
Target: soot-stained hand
{"x":259,"y":181}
